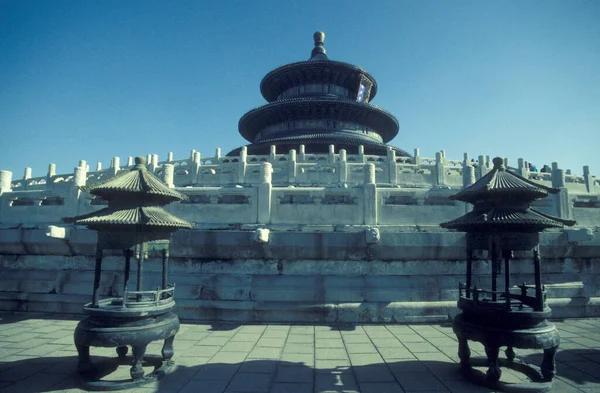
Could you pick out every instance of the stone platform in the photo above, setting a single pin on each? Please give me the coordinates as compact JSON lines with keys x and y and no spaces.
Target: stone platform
{"x":37,"y":355}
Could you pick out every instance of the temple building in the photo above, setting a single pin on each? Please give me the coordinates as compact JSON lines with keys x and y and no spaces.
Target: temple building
{"x":317,"y":219}
{"x":318,"y":103}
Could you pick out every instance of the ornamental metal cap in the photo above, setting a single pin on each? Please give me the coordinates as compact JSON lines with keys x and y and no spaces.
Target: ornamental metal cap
{"x":319,"y":52}
{"x":498,"y":163}
{"x":139,"y":163}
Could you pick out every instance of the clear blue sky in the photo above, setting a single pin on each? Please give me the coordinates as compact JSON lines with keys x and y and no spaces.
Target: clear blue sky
{"x":96,"y":79}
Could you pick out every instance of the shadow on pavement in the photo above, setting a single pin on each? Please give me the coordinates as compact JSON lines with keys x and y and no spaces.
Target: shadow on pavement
{"x":580,"y":366}
{"x":58,"y":374}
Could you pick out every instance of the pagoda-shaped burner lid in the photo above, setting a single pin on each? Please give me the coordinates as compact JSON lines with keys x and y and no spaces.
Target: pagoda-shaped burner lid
{"x":501,"y":201}
{"x":499,"y":183}
{"x":139,"y":182}
{"x":134,"y":204}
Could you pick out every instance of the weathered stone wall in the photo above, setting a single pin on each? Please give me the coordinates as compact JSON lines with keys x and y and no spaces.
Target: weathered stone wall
{"x":334,"y":276}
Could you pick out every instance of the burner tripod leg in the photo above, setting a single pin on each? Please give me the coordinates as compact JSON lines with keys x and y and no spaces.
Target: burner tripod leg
{"x":464,"y":353}
{"x":167,"y":349}
{"x":137,"y":370}
{"x":85,"y":363}
{"x":548,"y":365}
{"x":493,"y":372}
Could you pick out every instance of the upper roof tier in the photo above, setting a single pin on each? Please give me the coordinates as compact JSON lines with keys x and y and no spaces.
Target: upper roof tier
{"x":136,"y":183}
{"x":338,"y":78}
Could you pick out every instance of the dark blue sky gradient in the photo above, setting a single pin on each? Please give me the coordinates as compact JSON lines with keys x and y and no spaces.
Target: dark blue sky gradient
{"x":96,"y":79}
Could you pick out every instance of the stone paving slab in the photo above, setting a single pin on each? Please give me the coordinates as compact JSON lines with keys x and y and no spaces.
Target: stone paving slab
{"x":37,"y":355}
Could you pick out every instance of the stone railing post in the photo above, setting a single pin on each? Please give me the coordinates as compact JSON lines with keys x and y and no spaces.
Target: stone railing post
{"x":218,"y":155}
{"x":5,"y":186}
{"x":168,"y":175}
{"x":361,"y":154}
{"x":51,"y":171}
{"x":302,"y":153}
{"x":439,"y":171}
{"x":115,"y":165}
{"x":195,"y":169}
{"x":331,"y":154}
{"x":154,"y":163}
{"x":522,"y":168}
{"x":272,"y":153}
{"x":370,"y":195}
{"x":79,"y":180}
{"x":98,"y":166}
{"x":589,"y":185}
{"x":243,"y":164}
{"x":343,"y":166}
{"x":468,"y":172}
{"x":417,"y":157}
{"x":129,"y":161}
{"x":292,"y":166}
{"x":562,"y":203}
{"x":5,"y":181}
{"x":264,"y":193}
{"x":391,"y":159}
{"x":80,"y":174}
{"x":27,"y":174}
{"x":170,"y":156}
{"x":481,"y":167}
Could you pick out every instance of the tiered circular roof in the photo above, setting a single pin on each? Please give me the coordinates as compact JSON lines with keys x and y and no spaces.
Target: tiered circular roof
{"x":341,"y":98}
{"x":134,"y":202}
{"x":501,"y":202}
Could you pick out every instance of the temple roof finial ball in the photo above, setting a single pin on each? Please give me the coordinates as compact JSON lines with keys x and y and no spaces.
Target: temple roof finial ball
{"x":319,"y":37}
{"x":140,"y":160}
{"x":498,"y":162}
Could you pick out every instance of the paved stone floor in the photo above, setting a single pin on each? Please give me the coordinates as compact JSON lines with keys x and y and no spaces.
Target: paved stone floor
{"x":37,"y":355}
